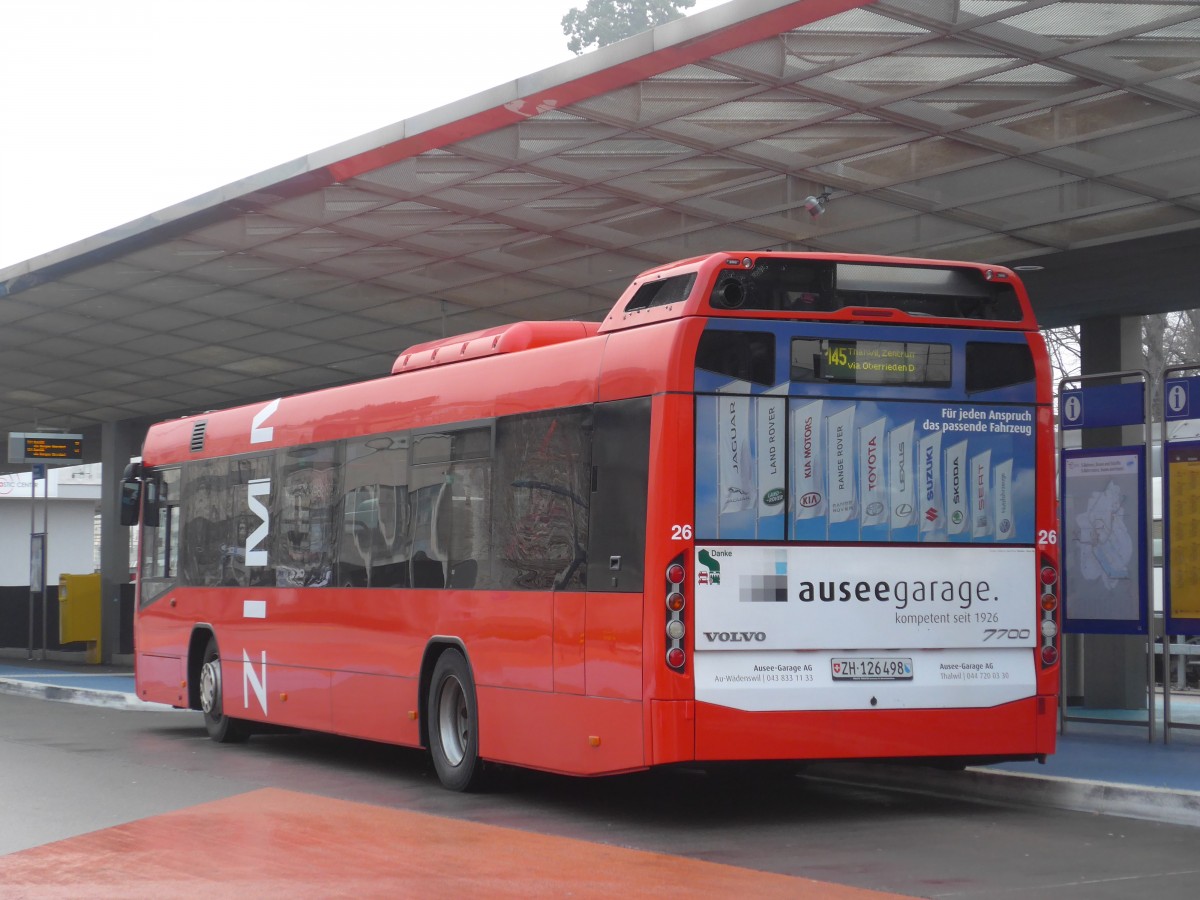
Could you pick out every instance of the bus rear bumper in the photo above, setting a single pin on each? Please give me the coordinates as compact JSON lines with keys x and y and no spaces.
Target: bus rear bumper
{"x":1022,"y":729}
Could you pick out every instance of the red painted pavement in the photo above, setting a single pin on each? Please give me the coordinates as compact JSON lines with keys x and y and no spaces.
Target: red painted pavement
{"x":275,"y":843}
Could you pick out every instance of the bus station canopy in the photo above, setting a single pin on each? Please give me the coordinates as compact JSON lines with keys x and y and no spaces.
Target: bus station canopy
{"x":1060,"y":135}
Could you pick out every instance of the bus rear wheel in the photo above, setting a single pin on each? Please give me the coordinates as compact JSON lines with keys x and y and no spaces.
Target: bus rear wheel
{"x":454,"y":724}
{"x":221,"y":728}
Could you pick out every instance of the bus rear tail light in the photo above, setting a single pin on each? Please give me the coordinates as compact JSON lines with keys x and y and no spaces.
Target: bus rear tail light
{"x":1048,"y":576}
{"x":676,"y":603}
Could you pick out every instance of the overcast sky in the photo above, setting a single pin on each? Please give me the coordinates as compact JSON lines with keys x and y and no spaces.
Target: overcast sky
{"x":113,"y":109}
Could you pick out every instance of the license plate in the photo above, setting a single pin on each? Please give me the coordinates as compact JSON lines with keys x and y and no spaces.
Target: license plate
{"x":872,"y":668}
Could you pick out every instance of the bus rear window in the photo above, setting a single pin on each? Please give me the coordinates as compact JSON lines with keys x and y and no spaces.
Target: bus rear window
{"x":910,"y":363}
{"x":992,"y":365}
{"x":821,"y":286}
{"x":746,"y":355}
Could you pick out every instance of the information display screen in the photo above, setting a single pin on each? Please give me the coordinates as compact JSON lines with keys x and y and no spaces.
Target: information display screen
{"x":1183,"y":545}
{"x":871,"y":362}
{"x":45,"y":448}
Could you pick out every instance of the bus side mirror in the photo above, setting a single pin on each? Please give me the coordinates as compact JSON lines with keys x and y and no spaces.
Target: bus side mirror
{"x":131,"y":496}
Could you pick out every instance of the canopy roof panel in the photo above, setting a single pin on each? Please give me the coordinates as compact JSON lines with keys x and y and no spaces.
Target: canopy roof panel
{"x":1014,"y":131}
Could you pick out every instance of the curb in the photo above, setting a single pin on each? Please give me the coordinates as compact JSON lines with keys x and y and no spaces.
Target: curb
{"x":83,"y":696}
{"x":1171,"y":806}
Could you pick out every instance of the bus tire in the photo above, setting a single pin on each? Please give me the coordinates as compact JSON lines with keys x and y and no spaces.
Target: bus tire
{"x":454,"y":724}
{"x":221,"y":728}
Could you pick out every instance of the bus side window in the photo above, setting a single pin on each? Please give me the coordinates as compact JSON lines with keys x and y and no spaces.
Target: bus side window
{"x":159,"y":539}
{"x":372,"y":548}
{"x":450,"y":494}
{"x":540,"y":501}
{"x":302,"y":528}
{"x":620,"y":483}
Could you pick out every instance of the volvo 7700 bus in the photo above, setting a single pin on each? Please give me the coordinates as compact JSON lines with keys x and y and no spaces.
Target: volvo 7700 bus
{"x":773,"y":507}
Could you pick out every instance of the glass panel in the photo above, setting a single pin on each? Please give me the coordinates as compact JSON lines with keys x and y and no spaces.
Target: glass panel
{"x":540,"y":527}
{"x":249,"y":485}
{"x":812,"y":286}
{"x":871,"y":362}
{"x":991,"y":366}
{"x":303,"y":541}
{"x":207,"y":521}
{"x":160,"y":543}
{"x":372,"y":550}
{"x":745,"y":355}
{"x":450,"y":497}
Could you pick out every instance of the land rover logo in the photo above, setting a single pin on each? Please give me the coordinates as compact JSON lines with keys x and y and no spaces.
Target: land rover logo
{"x":773,"y":497}
{"x":811,"y":499}
{"x":874,"y":509}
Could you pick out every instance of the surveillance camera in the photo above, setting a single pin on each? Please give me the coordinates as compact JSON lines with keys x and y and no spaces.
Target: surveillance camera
{"x":815,"y":205}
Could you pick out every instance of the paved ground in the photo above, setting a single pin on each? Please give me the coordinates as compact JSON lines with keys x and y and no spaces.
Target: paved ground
{"x":1108,"y":769}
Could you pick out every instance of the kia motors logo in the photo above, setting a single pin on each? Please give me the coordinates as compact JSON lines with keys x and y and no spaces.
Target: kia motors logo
{"x":811,"y":499}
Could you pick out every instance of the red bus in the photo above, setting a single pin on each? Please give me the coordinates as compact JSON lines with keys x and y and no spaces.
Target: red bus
{"x":773,"y":507}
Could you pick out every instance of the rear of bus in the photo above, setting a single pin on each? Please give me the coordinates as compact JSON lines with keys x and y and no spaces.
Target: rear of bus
{"x":873,"y":565}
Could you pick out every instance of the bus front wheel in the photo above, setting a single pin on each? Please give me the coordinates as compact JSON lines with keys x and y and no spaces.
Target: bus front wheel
{"x":454,"y":723}
{"x":221,"y":728}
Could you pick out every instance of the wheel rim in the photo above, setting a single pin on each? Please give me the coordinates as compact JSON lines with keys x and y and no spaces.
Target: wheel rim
{"x":210,"y":687}
{"x":453,"y":721}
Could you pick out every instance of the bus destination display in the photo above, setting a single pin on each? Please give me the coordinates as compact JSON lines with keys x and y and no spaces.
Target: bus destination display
{"x":871,"y":362}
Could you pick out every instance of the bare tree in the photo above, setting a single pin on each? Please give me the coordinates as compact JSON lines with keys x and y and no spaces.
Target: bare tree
{"x":1168,"y":339}
{"x":1063,"y":345}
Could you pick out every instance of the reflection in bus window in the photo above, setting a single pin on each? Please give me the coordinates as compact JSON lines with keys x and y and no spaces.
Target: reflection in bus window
{"x":303,"y":544}
{"x":540,"y":525}
{"x":159,"y":546}
{"x":372,"y":550}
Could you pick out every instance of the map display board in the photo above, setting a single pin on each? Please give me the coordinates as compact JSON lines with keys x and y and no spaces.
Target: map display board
{"x":1181,"y":485}
{"x":1104,"y":540}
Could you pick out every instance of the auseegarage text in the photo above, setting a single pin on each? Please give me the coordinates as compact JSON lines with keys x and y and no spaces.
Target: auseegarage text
{"x":901,"y":592}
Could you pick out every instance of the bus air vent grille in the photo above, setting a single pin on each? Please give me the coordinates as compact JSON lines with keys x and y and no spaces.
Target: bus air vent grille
{"x":198,"y":430}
